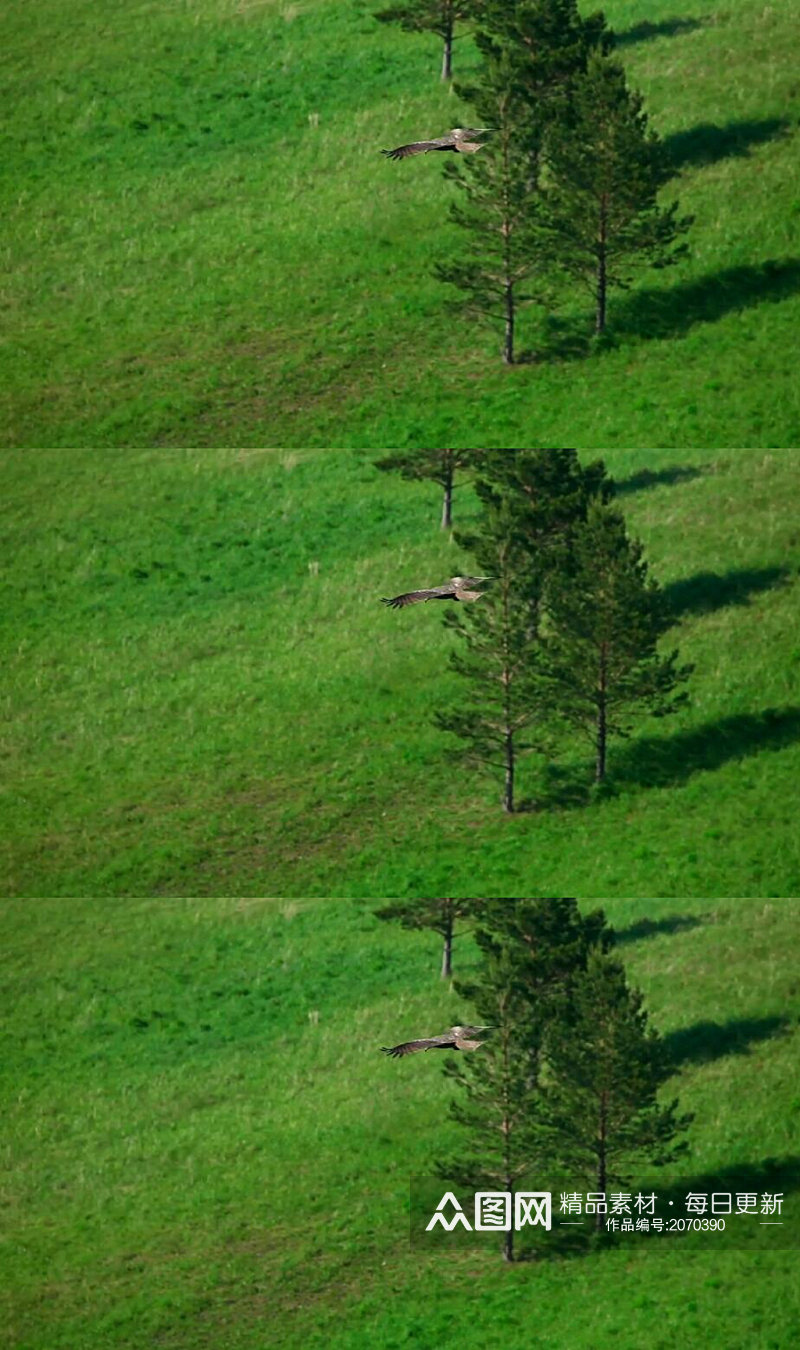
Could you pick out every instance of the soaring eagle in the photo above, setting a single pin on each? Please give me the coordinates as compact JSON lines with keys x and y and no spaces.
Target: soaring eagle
{"x":458,"y":588}
{"x":457,"y":1038}
{"x":462,"y":139}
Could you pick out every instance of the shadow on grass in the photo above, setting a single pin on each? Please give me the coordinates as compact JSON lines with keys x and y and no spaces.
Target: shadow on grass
{"x":656,"y":762}
{"x":666,"y":761}
{"x":707,"y":591}
{"x":707,"y":143}
{"x":766,"y":1177}
{"x":645,"y":928}
{"x":705,"y":1041}
{"x":561,"y":786}
{"x":651,"y":478}
{"x":653,"y":313}
{"x":673,"y":312}
{"x":563,"y":338}
{"x":646,"y":31}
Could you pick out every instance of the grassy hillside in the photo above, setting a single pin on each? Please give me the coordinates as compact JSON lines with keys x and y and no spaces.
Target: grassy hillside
{"x":203,"y":246}
{"x":203,"y":695}
{"x":202,"y":1145}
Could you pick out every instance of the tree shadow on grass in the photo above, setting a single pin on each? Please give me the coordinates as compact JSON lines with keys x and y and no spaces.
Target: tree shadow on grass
{"x":706,"y":1041}
{"x":645,"y":928}
{"x":647,"y":31}
{"x":564,"y":337}
{"x":657,"y":762}
{"x":668,"y":312}
{"x":707,"y":143}
{"x":707,"y":591}
{"x":673,"y":312}
{"x":561,"y":786}
{"x":765,"y":1177}
{"x":651,"y":478}
{"x":664,"y":762}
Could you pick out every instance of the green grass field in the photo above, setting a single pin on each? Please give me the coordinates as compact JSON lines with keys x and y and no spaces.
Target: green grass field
{"x":202,"y":245}
{"x":202,"y":694}
{"x":203,"y":1147}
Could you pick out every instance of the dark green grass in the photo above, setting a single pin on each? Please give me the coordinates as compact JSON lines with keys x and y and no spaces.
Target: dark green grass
{"x":202,"y":1145}
{"x":203,"y":246}
{"x":203,"y":695}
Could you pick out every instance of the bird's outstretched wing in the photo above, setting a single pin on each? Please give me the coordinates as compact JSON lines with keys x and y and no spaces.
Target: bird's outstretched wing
{"x":420,"y":148}
{"x":414,"y":597}
{"x":411,"y":1047}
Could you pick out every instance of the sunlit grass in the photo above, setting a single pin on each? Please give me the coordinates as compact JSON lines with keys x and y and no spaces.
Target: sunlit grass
{"x":202,"y":693}
{"x":203,"y":246}
{"x":202,"y":1145}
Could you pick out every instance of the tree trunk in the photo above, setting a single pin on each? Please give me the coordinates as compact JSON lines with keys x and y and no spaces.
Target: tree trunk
{"x":508,"y":1236}
{"x":447,"y":505}
{"x":600,"y":1219}
{"x":447,"y":953}
{"x":508,"y":790}
{"x":602,"y":279}
{"x":508,"y":339}
{"x":600,"y":317}
{"x":447,"y":56}
{"x":600,"y":767}
{"x":602,"y":712}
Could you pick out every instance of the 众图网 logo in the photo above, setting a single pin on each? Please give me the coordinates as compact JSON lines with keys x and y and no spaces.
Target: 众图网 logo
{"x":493,"y":1212}
{"x":744,"y":1217}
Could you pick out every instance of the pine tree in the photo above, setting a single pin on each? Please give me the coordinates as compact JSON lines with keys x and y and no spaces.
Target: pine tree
{"x":495,"y":262}
{"x":605,"y":1069}
{"x":601,"y":214}
{"x":439,"y":466}
{"x":498,"y":715}
{"x":431,"y":16}
{"x":440,"y":915}
{"x":529,"y":950}
{"x":532,"y":51}
{"x":548,"y":491}
{"x":606,"y":618}
{"x":531,"y":500}
{"x":550,"y":39}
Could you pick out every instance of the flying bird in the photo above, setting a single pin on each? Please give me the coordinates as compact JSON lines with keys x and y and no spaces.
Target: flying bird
{"x":458,"y":588}
{"x":462,"y":139}
{"x":457,"y":1038}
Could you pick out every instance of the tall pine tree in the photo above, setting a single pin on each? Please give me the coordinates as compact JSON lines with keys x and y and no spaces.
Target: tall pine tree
{"x":606,"y":1068}
{"x":531,"y":501}
{"x":532,"y":51}
{"x":530,"y":950}
{"x":601,"y":215}
{"x":494,"y":264}
{"x":606,"y":618}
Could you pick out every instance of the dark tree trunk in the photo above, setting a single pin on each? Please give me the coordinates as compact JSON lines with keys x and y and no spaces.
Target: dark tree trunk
{"x":508,"y":1237}
{"x":508,"y":790}
{"x":602,"y":278}
{"x":447,"y":55}
{"x":602,"y":729}
{"x":447,"y":953}
{"x":508,"y":339}
{"x":447,"y":505}
{"x":600,"y":1219}
{"x":600,"y":767}
{"x":600,"y":317}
